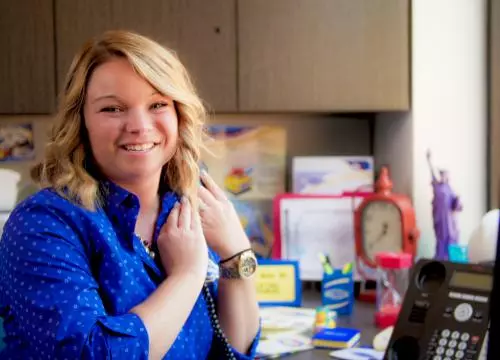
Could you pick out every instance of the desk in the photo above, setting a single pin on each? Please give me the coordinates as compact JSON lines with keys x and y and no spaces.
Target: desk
{"x":362,"y":318}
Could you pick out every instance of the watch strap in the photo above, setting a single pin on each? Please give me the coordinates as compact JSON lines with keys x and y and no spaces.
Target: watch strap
{"x":232,"y":268}
{"x":229,"y":272}
{"x":234,"y":256}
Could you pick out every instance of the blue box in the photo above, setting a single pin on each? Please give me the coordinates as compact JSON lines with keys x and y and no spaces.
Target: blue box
{"x":338,"y":338}
{"x":337,"y":291}
{"x":458,"y":253}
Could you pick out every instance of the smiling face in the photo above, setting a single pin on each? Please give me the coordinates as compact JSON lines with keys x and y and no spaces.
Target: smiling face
{"x":132,"y":129}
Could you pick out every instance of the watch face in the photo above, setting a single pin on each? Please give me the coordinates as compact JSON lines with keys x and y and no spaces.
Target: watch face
{"x":381,"y":225}
{"x":248,"y":264}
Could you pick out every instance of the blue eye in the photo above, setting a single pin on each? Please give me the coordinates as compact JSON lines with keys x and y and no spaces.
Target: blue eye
{"x":158,"y":105}
{"x":111,"y":109}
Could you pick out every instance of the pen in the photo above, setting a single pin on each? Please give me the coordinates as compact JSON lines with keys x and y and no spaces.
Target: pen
{"x":328,"y":260}
{"x":347,"y":268}
{"x":325,"y":262}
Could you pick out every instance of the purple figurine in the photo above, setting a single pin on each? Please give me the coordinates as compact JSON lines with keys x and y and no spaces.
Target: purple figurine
{"x":445,"y":205}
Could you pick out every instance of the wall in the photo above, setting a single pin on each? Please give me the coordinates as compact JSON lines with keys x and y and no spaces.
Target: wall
{"x":393,"y":146}
{"x":448,"y":112}
{"x":494,"y":105}
{"x":307,"y":134}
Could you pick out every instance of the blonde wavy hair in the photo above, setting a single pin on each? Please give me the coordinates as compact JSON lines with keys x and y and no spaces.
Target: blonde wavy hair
{"x":68,"y":149}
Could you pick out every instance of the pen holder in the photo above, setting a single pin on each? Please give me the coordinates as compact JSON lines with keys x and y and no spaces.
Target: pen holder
{"x":337,"y":291}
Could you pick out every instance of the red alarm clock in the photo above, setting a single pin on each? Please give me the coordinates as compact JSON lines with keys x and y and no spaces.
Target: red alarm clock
{"x":384,"y":222}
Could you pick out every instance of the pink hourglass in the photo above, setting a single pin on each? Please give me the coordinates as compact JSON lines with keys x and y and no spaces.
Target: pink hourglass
{"x":392,"y":282}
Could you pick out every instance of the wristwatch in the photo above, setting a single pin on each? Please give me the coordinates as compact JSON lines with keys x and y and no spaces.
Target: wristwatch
{"x":240,"y":266}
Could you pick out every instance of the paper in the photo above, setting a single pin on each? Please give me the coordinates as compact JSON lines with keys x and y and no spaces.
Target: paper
{"x":357,"y":354}
{"x":313,"y":225}
{"x":281,"y":346}
{"x":278,"y":283}
{"x":285,"y":330}
{"x":332,"y":174}
{"x":277,"y":321}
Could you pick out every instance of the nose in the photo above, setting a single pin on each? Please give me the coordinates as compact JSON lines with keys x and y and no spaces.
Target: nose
{"x":138,"y":122}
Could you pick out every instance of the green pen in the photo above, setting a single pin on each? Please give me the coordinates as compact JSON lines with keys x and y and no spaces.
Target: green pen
{"x":327,"y":268}
{"x":347,"y":268}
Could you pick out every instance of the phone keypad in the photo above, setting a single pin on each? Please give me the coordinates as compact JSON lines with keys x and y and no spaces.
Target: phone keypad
{"x":447,"y":344}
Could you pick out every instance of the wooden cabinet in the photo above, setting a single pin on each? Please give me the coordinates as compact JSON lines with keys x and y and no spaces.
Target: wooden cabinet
{"x":27,"y":80}
{"x":201,"y":32}
{"x":323,"y":55}
{"x":249,"y":56}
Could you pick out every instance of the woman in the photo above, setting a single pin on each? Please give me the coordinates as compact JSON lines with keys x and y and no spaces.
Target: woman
{"x":110,"y":260}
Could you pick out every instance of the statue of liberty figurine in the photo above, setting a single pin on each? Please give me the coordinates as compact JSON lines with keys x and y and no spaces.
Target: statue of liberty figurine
{"x":445,"y":205}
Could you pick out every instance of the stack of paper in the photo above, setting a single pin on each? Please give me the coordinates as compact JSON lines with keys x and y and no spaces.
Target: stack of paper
{"x":285,"y":330}
{"x":281,"y":346}
{"x":357,"y":354}
{"x":282,"y":320}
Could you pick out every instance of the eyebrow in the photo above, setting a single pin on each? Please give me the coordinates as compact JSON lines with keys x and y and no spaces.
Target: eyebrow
{"x":105,"y":97}
{"x":111,"y":96}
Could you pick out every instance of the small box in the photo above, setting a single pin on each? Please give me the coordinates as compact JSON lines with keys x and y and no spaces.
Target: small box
{"x":337,"y":338}
{"x":325,"y":319}
{"x":337,"y":291}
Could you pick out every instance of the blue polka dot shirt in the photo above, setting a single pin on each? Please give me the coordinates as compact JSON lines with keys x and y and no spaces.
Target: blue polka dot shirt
{"x":69,"y":277}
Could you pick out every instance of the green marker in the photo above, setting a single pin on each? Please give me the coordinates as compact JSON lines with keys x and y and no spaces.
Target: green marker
{"x":327,"y":268}
{"x":347,"y":268}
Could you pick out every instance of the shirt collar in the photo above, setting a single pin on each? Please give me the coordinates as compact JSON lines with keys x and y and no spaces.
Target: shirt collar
{"x":114,"y":196}
{"x":119,"y":203}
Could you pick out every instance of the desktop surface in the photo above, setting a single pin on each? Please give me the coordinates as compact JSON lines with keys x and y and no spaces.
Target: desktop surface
{"x":362,"y":319}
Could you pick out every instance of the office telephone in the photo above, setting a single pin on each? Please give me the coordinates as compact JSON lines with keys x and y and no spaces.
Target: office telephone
{"x":445,"y":313}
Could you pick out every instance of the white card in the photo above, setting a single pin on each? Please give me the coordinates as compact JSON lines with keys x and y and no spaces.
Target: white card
{"x":357,"y":354}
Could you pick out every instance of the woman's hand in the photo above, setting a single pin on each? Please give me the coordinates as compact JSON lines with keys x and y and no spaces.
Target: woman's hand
{"x":181,"y":242}
{"x":220,"y":222}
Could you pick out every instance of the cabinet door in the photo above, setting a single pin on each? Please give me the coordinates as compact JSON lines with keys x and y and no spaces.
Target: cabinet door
{"x":201,"y":32}
{"x":27,"y":80}
{"x":323,"y":55}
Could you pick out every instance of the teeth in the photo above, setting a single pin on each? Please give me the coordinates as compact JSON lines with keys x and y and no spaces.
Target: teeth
{"x":141,"y":147}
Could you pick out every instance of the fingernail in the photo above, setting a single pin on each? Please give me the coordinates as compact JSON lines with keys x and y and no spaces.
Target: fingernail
{"x":176,"y":205}
{"x":203,"y":172}
{"x":184,"y":200}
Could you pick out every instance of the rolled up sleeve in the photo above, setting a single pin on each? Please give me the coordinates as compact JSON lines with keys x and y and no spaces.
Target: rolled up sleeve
{"x":48,"y":286}
{"x":120,"y":337}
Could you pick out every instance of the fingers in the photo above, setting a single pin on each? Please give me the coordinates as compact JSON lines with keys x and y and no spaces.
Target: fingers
{"x":173,"y":217}
{"x":207,"y":199}
{"x":202,"y":206}
{"x":195,"y":218}
{"x":210,"y":184}
{"x":185,"y":214}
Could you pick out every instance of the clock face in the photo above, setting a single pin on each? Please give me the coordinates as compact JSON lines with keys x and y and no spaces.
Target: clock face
{"x":381,"y":228}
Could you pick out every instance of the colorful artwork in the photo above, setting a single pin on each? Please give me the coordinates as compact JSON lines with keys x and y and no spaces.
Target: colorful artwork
{"x":16,"y":143}
{"x":238,"y":181}
{"x":248,"y":162}
{"x":256,"y":219}
{"x":331,"y":174}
